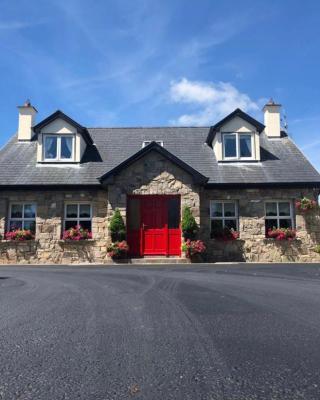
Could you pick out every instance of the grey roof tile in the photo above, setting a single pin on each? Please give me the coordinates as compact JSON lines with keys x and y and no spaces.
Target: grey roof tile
{"x":281,"y":161}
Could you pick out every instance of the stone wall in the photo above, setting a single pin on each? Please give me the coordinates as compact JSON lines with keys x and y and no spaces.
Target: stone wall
{"x":48,"y":246}
{"x":154,"y":174}
{"x":252,"y":244}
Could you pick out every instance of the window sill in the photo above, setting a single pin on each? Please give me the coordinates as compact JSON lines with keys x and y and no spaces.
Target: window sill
{"x":83,"y":241}
{"x":19,"y":241}
{"x":270,"y":240}
{"x":58,"y":162}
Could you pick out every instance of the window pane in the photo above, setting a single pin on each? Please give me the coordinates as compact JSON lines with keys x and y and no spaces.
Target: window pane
{"x":285,"y":223}
{"x":230,"y":146}
{"x":133,"y":214}
{"x":29,"y":211}
{"x":271,"y":223}
{"x":30,"y":225}
{"x":72,"y":211}
{"x":50,"y":147}
{"x":70,"y":224}
{"x":85,"y":225}
{"x":216,"y":209}
{"x":230,"y":223}
{"x":173,"y":213}
{"x":15,"y":225}
{"x":216,"y":227}
{"x":16,"y":211}
{"x":245,"y":146}
{"x":229,"y":209}
{"x":85,"y":211}
{"x":66,"y":147}
{"x":284,"y":209}
{"x":271,"y":209}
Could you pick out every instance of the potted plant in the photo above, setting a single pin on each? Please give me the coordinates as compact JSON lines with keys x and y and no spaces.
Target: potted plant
{"x":118,"y":250}
{"x":306,"y":204}
{"x":282,"y":234}
{"x":189,"y":225}
{"x":76,"y":234}
{"x":193,"y":248}
{"x":117,"y":227}
{"x":225,"y":234}
{"x":19,"y":235}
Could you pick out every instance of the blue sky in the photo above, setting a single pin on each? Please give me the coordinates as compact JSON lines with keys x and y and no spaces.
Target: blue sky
{"x":150,"y":63}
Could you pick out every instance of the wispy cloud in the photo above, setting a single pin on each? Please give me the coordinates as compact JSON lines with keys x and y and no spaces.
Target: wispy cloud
{"x":311,"y":145}
{"x":16,"y":25}
{"x":212,"y":101}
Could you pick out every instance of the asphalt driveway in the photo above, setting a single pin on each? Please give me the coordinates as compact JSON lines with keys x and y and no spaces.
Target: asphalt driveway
{"x":180,"y":332}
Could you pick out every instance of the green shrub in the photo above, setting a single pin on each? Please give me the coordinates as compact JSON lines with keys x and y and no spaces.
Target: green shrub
{"x":188,"y":225}
{"x":117,"y":227}
{"x":317,"y":248}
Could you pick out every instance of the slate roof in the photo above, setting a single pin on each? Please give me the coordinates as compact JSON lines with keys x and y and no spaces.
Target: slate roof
{"x":282,"y":162}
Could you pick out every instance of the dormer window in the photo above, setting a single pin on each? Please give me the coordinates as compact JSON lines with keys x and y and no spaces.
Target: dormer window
{"x":59,"y":148}
{"x":238,"y":146}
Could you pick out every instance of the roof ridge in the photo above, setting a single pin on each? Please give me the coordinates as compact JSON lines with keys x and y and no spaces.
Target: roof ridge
{"x":148,"y":127}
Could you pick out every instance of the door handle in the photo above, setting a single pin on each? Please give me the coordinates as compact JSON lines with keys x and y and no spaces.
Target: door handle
{"x":144,"y":226}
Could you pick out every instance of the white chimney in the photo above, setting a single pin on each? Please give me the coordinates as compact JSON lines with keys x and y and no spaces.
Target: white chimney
{"x":272,"y":119}
{"x":27,"y":115}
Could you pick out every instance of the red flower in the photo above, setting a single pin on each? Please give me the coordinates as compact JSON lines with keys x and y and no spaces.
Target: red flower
{"x":118,"y":249}
{"x":77,"y":233}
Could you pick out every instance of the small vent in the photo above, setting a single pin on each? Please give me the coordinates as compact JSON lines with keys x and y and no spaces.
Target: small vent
{"x":147,"y":142}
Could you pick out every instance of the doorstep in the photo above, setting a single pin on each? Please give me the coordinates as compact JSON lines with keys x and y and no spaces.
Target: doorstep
{"x":151,"y":260}
{"x":159,"y":260}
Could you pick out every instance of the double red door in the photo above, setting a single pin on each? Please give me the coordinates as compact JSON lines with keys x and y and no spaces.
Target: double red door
{"x":153,"y":225}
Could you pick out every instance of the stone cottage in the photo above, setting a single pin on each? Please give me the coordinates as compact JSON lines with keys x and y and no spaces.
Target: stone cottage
{"x":238,"y":175}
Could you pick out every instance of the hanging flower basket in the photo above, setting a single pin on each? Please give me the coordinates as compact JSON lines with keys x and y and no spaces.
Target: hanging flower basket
{"x":282,"y":234}
{"x":118,"y":250}
{"x":306,"y":204}
{"x":193,"y":248}
{"x":76,"y":234}
{"x":19,"y":235}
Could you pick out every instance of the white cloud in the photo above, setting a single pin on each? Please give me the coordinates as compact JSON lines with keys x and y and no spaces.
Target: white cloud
{"x":212,"y":101}
{"x":16,"y":25}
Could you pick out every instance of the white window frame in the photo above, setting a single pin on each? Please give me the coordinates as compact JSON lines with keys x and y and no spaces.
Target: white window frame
{"x":78,"y":219}
{"x":147,"y":142}
{"x":58,"y":157}
{"x":278,"y":217}
{"x":223,"y":218}
{"x":22,"y":219}
{"x":238,"y":135}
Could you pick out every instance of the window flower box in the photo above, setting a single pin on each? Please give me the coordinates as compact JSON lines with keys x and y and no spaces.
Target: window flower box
{"x":19,"y":235}
{"x":281,"y":234}
{"x":76,"y":234}
{"x":118,"y":250}
{"x":225,"y":234}
{"x":306,"y":204}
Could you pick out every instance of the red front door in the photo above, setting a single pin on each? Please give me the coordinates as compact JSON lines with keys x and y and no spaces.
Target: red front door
{"x":154,"y":225}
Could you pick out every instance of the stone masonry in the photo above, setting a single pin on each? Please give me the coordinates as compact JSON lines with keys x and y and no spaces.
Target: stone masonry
{"x":154,"y":174}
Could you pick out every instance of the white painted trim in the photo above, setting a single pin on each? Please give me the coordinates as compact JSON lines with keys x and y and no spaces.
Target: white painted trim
{"x":58,"y":157}
{"x":278,"y":217}
{"x":237,"y":136}
{"x":223,"y":218}
{"x":78,"y":219}
{"x":22,"y":219}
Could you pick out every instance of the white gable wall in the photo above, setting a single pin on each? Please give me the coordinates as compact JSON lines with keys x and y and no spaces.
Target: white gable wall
{"x":237,"y":124}
{"x":59,"y":126}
